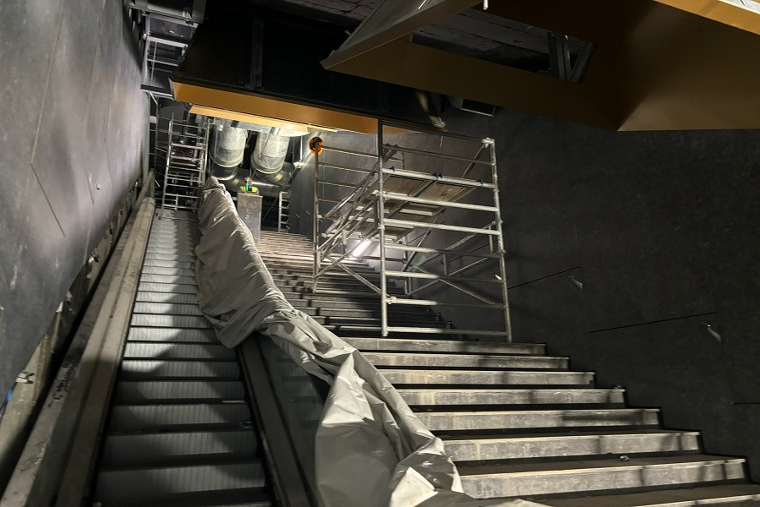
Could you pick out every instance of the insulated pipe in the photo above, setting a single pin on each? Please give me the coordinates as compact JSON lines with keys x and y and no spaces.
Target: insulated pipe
{"x":229,"y":146}
{"x":268,"y":157}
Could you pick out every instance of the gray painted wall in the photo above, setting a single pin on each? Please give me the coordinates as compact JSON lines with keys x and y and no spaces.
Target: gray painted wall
{"x":662,"y":230}
{"x":71,"y":136}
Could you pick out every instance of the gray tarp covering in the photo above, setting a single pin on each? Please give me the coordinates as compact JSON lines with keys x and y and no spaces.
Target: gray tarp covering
{"x":371,"y":450}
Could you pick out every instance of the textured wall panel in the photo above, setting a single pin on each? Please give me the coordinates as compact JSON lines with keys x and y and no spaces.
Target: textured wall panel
{"x":70,"y":75}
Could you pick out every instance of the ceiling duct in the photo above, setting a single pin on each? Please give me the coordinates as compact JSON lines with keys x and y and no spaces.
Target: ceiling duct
{"x":229,"y":145}
{"x":268,"y":157}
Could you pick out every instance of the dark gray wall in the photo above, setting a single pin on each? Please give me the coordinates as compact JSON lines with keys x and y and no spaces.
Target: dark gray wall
{"x":71,"y":136}
{"x":662,"y":231}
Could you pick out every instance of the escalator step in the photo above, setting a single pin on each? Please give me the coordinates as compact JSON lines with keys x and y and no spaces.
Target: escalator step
{"x":166,"y":298}
{"x":166,"y":308}
{"x":155,"y":418}
{"x":173,"y":391}
{"x":132,"y":369}
{"x":178,"y":351}
{"x":172,"y":288}
{"x":162,"y":334}
{"x":175,"y":321}
{"x":125,"y":451}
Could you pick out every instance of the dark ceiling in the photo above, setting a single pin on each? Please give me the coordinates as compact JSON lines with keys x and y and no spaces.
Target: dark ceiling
{"x":471,"y":33}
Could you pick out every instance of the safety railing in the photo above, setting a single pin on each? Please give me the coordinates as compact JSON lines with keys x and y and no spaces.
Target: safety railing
{"x":423,"y":229}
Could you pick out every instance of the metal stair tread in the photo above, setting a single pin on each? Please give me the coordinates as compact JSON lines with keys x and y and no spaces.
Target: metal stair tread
{"x":432,"y":376}
{"x":571,"y":467}
{"x":682,"y":497}
{"x":167,"y":334}
{"x":411,"y":344}
{"x":163,"y":417}
{"x":469,"y":420}
{"x":139,"y":392}
{"x":150,"y":484}
{"x":146,"y":369}
{"x":448,"y":360}
{"x":571,"y":445}
{"x":150,"y":350}
{"x":177,"y":448}
{"x":447,"y":397}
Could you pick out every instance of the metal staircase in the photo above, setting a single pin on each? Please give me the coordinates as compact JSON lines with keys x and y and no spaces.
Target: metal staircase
{"x":185,"y":174}
{"x":517,"y":422}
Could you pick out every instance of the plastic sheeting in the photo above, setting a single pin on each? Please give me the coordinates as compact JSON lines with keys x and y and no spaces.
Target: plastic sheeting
{"x":371,"y":450}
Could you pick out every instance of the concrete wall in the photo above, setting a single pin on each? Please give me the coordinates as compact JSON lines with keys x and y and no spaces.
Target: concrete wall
{"x":661,"y":232}
{"x":71,"y":139}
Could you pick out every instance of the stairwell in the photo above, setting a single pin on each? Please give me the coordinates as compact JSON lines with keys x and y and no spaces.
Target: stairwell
{"x":517,"y":422}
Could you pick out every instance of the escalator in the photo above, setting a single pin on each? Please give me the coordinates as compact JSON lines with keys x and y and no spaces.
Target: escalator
{"x":181,"y":429}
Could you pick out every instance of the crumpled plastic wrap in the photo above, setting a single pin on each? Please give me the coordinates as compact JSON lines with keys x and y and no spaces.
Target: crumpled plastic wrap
{"x":371,"y":450}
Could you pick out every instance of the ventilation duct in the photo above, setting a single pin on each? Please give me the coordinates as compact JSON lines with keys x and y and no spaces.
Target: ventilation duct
{"x":229,"y":146}
{"x":268,"y":157}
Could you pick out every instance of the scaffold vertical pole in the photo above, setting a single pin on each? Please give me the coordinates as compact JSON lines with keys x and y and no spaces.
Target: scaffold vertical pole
{"x":380,"y":221}
{"x":315,"y":220}
{"x":500,"y":239}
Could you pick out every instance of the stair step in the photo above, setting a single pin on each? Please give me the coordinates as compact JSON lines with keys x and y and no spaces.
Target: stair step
{"x":157,"y":485}
{"x":734,"y":495}
{"x":157,"y":334}
{"x":539,"y":419}
{"x":169,"y":264}
{"x":373,"y":321}
{"x":552,"y":446}
{"x":170,"y":271}
{"x":361,"y":312}
{"x":485,"y":377}
{"x":168,"y":279}
{"x":564,"y":477}
{"x":344,"y":303}
{"x":475,"y":397}
{"x":216,"y":352}
{"x":458,"y":346}
{"x":166,"y":298}
{"x":172,"y":242}
{"x":158,"y":308}
{"x":170,"y":288}
{"x":417,"y":359}
{"x":165,"y":449}
{"x":154,"y":250}
{"x":175,"y":321}
{"x":160,"y":418}
{"x":143,"y":392}
{"x":162,"y":256}
{"x":138,"y":369}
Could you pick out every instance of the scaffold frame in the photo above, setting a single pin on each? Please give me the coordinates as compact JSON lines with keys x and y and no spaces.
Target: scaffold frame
{"x":395,"y":210}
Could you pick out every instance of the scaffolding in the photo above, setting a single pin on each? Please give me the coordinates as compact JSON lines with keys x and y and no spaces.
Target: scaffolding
{"x":186,"y":160}
{"x":383,"y":202}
